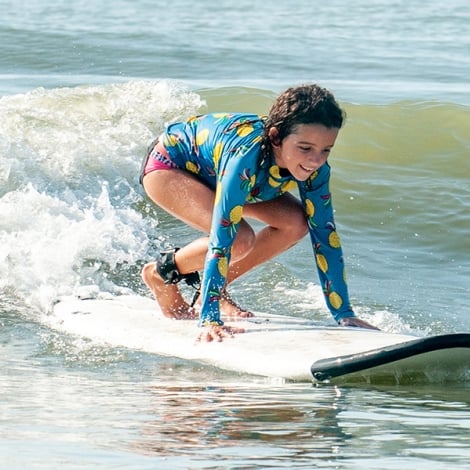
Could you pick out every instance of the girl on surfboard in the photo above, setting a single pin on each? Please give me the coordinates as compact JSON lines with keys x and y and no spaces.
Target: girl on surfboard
{"x":215,"y":172}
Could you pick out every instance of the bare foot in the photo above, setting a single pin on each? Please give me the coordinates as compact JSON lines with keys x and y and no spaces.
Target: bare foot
{"x":167,"y":296}
{"x":228,"y":307}
{"x":231,"y":309}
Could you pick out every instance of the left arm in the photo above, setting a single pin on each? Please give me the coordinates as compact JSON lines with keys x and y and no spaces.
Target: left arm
{"x":316,"y":198}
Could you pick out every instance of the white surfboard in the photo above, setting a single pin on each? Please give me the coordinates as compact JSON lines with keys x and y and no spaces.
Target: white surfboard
{"x":272,"y":345}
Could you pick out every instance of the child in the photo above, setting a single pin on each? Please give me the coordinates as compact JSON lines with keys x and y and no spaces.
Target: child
{"x":215,"y":171}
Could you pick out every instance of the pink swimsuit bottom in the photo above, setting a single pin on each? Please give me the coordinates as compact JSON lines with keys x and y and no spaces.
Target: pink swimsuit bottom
{"x":158,"y":159}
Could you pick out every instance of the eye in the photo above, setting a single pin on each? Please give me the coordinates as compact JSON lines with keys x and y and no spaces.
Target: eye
{"x":304,"y":149}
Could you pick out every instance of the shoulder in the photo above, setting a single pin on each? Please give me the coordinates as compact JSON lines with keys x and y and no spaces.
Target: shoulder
{"x":234,"y":122}
{"x":223,"y":125}
{"x":225,"y":118}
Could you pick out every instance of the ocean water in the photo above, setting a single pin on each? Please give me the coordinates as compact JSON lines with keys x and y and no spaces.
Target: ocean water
{"x":84,"y":88}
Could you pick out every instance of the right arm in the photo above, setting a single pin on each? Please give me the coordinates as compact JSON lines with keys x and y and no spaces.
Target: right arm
{"x":233,"y":187}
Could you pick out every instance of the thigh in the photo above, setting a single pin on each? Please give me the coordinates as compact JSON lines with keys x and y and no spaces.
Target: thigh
{"x":185,"y":197}
{"x":182,"y":195}
{"x":280,"y":212}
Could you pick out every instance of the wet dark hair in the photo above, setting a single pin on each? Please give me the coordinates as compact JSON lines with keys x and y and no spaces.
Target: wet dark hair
{"x":304,"y":104}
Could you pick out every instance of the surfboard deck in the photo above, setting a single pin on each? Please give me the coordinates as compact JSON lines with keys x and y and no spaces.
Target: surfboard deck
{"x":275,"y":346}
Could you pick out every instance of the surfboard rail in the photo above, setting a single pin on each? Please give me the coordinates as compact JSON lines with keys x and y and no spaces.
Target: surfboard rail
{"x":330,"y":368}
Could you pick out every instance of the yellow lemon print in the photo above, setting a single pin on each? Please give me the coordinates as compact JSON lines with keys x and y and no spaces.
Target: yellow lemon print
{"x":192,"y":167}
{"x":309,"y":208}
{"x":236,"y":214}
{"x":202,"y":136}
{"x":222,"y":265}
{"x":272,"y":182}
{"x":170,"y":141}
{"x":333,"y":240}
{"x":313,"y":176}
{"x":289,"y":186}
{"x":274,"y":171}
{"x":217,"y":153}
{"x":218,"y":193}
{"x":244,"y":130}
{"x":335,"y":300}
{"x":252,"y":181}
{"x":322,"y":263}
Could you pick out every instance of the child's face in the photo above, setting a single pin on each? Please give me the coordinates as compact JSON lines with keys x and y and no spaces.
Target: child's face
{"x":305,"y":150}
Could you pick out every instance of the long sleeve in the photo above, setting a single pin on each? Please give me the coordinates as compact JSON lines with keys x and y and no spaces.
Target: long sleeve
{"x":233,"y":187}
{"x":316,"y":198}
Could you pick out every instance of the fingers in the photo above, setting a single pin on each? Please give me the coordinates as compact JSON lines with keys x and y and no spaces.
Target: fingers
{"x":356,"y":322}
{"x":217,"y":333}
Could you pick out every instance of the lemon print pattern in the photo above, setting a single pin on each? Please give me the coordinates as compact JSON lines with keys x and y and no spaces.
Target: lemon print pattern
{"x":333,"y":297}
{"x":322,"y":263}
{"x":218,"y":193}
{"x":202,"y":137}
{"x":333,"y":240}
{"x":247,"y":182}
{"x":170,"y":140}
{"x":236,"y":215}
{"x":192,"y":167}
{"x":217,"y":153}
{"x":309,"y":208}
{"x":225,"y":152}
{"x":244,"y":130}
{"x":274,"y":176}
{"x":335,"y":300}
{"x":288,"y":186}
{"x":222,"y":266}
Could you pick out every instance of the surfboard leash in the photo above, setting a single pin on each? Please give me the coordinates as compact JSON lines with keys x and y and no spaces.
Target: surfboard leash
{"x":166,"y":267}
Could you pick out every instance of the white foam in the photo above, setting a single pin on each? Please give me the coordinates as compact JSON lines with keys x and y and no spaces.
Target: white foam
{"x":69,"y":163}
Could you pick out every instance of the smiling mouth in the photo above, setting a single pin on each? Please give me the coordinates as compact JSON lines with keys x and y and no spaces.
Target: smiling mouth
{"x":310,"y":170}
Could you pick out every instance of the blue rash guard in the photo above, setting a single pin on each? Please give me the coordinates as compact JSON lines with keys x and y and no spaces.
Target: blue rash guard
{"x":225,"y":152}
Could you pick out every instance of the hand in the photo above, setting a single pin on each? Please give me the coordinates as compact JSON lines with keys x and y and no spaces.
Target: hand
{"x":217,"y":333}
{"x":357,"y":322}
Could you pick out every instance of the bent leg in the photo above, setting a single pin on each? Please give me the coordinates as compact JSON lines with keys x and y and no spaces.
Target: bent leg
{"x":191,"y":201}
{"x":286,"y":224}
{"x":171,"y":190}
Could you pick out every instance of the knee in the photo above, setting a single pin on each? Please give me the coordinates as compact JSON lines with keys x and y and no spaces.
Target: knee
{"x":244,"y":241}
{"x":296,"y":227}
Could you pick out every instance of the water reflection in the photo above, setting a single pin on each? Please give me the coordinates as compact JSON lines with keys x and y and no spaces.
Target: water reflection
{"x":246,"y":425}
{"x":296,"y":419}
{"x":154,"y":412}
{"x":295,"y":425}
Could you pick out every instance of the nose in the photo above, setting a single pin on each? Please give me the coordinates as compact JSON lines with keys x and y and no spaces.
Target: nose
{"x":316,"y":160}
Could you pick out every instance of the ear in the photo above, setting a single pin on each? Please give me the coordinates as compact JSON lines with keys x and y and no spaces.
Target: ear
{"x":274,"y":136}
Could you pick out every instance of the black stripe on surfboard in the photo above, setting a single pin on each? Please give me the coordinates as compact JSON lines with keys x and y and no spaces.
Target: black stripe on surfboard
{"x":325,"y":369}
